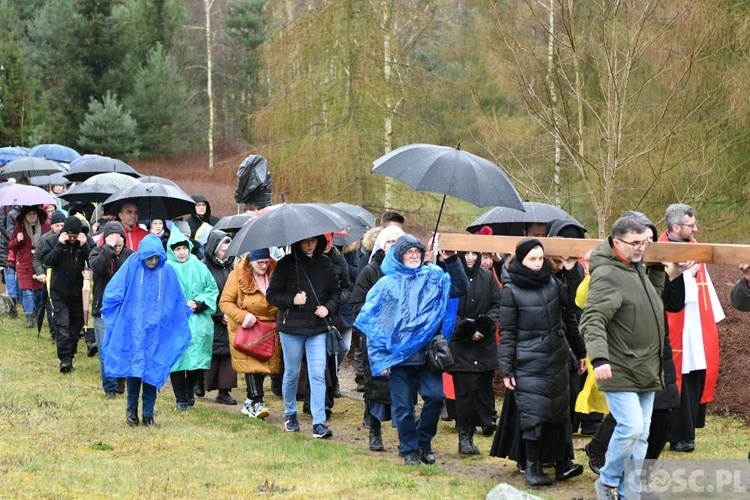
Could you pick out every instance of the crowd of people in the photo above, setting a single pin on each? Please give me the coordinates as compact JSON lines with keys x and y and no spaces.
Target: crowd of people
{"x":168,"y":303}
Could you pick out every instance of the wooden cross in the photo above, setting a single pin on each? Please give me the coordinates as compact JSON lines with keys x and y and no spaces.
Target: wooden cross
{"x":708,"y":253}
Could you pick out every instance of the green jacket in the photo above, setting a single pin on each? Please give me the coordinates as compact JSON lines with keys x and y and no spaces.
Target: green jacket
{"x":623,"y":321}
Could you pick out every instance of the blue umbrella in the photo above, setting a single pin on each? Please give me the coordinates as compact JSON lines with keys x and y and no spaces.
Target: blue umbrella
{"x":10,"y":153}
{"x":55,"y":152}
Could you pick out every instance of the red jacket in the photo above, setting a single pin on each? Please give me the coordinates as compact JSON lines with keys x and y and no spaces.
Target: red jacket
{"x":25,"y":256}
{"x":133,"y":236}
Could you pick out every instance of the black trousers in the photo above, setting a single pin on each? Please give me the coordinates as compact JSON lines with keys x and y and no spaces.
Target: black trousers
{"x":254,"y":383}
{"x":68,"y":318}
{"x":662,"y":422}
{"x":692,"y":414}
{"x":475,"y":398}
{"x":183,"y":383}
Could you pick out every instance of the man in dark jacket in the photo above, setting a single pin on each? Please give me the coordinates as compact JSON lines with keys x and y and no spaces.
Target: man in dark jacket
{"x":67,"y":260}
{"x":104,"y":261}
{"x":623,"y":325}
{"x":47,"y":243}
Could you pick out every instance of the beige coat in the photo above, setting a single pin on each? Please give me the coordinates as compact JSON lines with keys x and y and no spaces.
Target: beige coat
{"x":241,"y":286}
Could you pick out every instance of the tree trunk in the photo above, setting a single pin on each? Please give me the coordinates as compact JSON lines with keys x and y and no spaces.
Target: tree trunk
{"x":209,"y":83}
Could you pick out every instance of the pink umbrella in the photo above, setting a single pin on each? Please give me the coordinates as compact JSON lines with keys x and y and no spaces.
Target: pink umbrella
{"x":20,"y":194}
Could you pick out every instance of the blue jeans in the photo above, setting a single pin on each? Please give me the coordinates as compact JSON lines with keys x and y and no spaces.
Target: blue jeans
{"x":109,"y":384}
{"x":632,"y":411}
{"x":11,"y":284}
{"x":403,"y":382}
{"x":149,"y":396}
{"x":30,"y":300}
{"x":314,"y":348}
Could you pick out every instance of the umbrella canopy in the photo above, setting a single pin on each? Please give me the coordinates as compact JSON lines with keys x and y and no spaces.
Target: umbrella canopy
{"x":158,"y":180}
{"x":233,"y":222}
{"x":89,"y":193}
{"x":56,"y":152}
{"x":82,"y":159}
{"x":10,"y":153}
{"x":49,"y":180}
{"x":122,"y":181}
{"x":287,"y":224}
{"x":154,"y":201}
{"x":365,"y":216}
{"x":30,"y":167}
{"x":101,"y":165}
{"x":507,"y":221}
{"x":19,"y":194}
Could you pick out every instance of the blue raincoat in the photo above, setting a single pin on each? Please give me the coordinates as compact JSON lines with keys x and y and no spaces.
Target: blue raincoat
{"x":197,"y":284}
{"x":405,"y":308}
{"x":145,"y":317}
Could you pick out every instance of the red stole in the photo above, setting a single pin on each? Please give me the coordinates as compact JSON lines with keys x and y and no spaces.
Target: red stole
{"x":710,"y":332}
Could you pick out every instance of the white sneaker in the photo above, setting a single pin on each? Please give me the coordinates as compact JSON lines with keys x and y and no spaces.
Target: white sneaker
{"x":248,"y":408}
{"x":260,"y":410}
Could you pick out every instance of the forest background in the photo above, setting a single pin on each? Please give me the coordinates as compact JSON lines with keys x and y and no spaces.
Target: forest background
{"x":598,"y":106}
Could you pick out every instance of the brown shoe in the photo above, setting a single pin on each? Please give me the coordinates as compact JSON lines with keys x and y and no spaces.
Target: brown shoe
{"x":110,"y":395}
{"x":120,"y":386}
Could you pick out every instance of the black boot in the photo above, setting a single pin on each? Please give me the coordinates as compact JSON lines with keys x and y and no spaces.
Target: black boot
{"x":376,"y":436}
{"x":199,"y":389}
{"x":225,"y":398}
{"x":535,"y":476}
{"x":466,"y":441}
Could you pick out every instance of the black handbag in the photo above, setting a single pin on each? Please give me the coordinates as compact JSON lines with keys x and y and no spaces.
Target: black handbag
{"x":334,"y":340}
{"x":439,"y":357}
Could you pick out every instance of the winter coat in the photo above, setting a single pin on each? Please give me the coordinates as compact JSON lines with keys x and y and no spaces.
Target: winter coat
{"x":674,"y":301}
{"x":46,"y":244}
{"x":104,"y":263}
{"x":24,"y":253}
{"x":623,"y":322}
{"x":342,"y":317}
{"x":288,"y":279}
{"x":145,"y":318}
{"x":533,"y":347}
{"x":133,"y":236}
{"x":7,"y":222}
{"x":67,"y":261}
{"x":740,"y":295}
{"x":478,"y":310}
{"x":241,"y":289}
{"x":220,"y":272}
{"x":198,"y":285}
{"x":195,"y":221}
{"x":368,"y":244}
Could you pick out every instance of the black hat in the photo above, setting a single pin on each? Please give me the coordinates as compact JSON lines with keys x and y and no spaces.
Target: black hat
{"x":525,"y":246}
{"x":57,"y":217}
{"x":72,"y":225}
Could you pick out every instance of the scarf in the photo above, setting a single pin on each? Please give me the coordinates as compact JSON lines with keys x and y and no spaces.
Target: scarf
{"x":523,"y":277}
{"x":35,"y":232}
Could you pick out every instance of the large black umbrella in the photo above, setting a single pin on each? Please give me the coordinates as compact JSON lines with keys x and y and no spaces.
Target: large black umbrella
{"x":288,"y":223}
{"x":49,"y":180}
{"x":508,"y":221}
{"x":101,"y":165}
{"x":233,"y":223}
{"x":158,"y":180}
{"x":449,"y":171}
{"x":365,"y":217}
{"x":154,"y":201}
{"x":89,"y":193}
{"x":30,"y":166}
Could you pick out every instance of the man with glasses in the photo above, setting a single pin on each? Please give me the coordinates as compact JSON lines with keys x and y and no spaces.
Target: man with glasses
{"x":623,"y":325}
{"x":693,"y":334}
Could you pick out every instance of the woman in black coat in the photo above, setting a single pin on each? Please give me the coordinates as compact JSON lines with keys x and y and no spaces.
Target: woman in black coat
{"x":474,"y":350}
{"x":535,"y":323}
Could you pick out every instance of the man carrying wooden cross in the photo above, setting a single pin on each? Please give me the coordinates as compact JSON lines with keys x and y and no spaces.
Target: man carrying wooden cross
{"x":693,"y":334}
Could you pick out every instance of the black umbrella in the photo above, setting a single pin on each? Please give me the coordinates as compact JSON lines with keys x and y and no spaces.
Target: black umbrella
{"x":233,"y":222}
{"x":508,"y":221}
{"x":49,"y":180}
{"x":157,"y":180}
{"x":89,"y":193}
{"x":30,"y":166}
{"x":285,"y":224}
{"x":154,"y":201}
{"x":449,"y":171}
{"x":365,"y":216}
{"x":100,"y":165}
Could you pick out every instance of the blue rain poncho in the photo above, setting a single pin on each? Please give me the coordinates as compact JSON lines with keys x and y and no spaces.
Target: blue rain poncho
{"x":405,"y":308}
{"x":145,"y":317}
{"x":197,"y":284}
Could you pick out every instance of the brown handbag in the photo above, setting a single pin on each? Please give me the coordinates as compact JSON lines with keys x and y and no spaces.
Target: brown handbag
{"x":257,"y":341}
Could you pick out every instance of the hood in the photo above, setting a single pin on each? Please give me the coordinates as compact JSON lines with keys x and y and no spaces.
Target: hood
{"x":370,"y":237}
{"x":566,"y":229}
{"x":470,"y":271}
{"x":199,"y":197}
{"x":149,"y":247}
{"x":175,"y":237}
{"x":643,"y":220}
{"x":604,"y":255}
{"x":215,"y":239}
{"x":318,"y":248}
{"x":113,"y":227}
{"x":387,"y":233}
{"x":404,"y":243}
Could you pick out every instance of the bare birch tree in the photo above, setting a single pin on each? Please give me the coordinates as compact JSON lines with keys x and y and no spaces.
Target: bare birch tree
{"x":207,"y":4}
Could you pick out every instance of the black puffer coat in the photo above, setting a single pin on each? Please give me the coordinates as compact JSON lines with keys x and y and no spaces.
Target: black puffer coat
{"x":288,"y":279}
{"x":481,"y":303}
{"x":220,"y":272}
{"x":674,"y":301}
{"x":104,"y":263}
{"x":533,"y":347}
{"x":343,"y":316}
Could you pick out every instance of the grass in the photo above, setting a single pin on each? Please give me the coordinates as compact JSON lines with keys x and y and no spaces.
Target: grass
{"x":62,"y":439}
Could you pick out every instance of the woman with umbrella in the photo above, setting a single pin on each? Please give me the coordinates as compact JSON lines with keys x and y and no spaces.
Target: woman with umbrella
{"x":27,"y":233}
{"x":201,"y":293}
{"x":306,"y":290}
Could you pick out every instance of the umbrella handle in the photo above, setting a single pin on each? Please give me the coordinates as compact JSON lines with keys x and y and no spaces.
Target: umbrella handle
{"x":434,"y":235}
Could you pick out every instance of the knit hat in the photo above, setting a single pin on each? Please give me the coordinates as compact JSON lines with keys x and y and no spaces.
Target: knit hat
{"x":57,"y":217}
{"x":72,"y":225}
{"x":485,"y":231}
{"x":525,"y":246}
{"x":259,"y":254}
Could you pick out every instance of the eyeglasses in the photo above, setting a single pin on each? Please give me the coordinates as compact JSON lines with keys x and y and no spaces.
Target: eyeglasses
{"x":413,"y":252}
{"x":310,"y":241}
{"x":691,"y":226}
{"x":636,"y":244}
